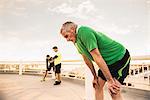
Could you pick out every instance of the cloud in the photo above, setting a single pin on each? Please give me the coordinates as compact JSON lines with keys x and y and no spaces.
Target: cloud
{"x":38,"y":2}
{"x":64,"y":9}
{"x":86,"y":7}
{"x":148,"y":1}
{"x":19,"y":13}
{"x":17,"y":7}
{"x":118,"y":30}
{"x":21,"y":8}
{"x":83,"y":10}
{"x":5,"y":5}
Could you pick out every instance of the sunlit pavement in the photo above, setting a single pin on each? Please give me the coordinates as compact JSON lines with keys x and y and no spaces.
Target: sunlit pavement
{"x":15,"y":87}
{"x":29,"y":87}
{"x":131,"y":94}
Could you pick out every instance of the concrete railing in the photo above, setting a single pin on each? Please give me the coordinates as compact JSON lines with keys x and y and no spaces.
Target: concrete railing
{"x":73,"y":70}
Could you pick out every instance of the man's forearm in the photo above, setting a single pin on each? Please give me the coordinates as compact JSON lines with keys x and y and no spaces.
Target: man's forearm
{"x":101,"y":64}
{"x":55,"y":57}
{"x":93,"y":71}
{"x":104,"y":68}
{"x":90,"y":65}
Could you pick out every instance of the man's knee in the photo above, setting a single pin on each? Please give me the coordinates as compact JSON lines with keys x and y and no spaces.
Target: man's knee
{"x":98,"y":88}
{"x":116,"y":96}
{"x":100,"y":84}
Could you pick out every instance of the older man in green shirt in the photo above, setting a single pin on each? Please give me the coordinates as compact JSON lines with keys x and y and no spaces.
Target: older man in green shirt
{"x":111,"y":57}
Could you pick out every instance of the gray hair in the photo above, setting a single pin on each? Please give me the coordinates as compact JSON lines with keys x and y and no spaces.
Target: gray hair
{"x":67,"y":26}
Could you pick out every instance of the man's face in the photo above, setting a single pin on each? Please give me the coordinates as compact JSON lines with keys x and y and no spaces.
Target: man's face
{"x":69,"y":35}
{"x":55,"y":50}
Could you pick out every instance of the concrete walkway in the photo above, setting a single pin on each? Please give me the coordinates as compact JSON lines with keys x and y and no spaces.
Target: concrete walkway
{"x":15,"y":87}
{"x":29,"y":87}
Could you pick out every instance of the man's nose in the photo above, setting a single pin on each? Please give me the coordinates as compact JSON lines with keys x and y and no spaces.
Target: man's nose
{"x":67,"y":39}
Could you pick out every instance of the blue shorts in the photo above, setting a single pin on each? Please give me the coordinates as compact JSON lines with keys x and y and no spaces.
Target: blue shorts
{"x":119,"y":69}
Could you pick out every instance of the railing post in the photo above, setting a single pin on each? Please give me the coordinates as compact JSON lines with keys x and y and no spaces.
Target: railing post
{"x":20,"y":68}
{"x":149,"y":80}
{"x":89,"y":91}
{"x":41,"y":69}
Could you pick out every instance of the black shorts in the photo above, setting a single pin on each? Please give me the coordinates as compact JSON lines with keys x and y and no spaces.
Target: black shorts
{"x":50,"y":66}
{"x":58,"y":68}
{"x":119,"y":69}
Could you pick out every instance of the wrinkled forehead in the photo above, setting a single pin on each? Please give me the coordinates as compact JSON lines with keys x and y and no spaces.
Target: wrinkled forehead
{"x":63,"y":31}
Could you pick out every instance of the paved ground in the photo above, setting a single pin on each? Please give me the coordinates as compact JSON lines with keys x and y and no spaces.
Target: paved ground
{"x":26,"y":87}
{"x":15,"y":87}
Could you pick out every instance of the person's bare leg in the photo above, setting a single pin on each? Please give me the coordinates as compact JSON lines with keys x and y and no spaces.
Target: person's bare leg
{"x":45,"y":75}
{"x":59,"y":77}
{"x":99,"y":94}
{"x":56,"y":77}
{"x":117,"y":96}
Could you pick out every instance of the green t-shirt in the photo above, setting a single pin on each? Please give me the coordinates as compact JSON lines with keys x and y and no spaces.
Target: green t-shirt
{"x":88,"y":39}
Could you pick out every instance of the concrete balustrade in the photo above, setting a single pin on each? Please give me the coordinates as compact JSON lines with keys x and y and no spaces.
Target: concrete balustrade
{"x":75,"y":70}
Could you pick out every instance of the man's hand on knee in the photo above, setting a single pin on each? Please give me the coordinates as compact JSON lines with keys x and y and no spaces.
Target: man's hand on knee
{"x":113,"y":86}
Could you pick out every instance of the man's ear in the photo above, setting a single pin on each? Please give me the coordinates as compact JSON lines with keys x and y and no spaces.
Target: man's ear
{"x":72,"y":29}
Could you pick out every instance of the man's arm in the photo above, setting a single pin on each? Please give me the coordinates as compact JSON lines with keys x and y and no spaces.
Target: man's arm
{"x":90,"y":65}
{"x":55,"y":57}
{"x":112,"y":85}
{"x":101,"y":64}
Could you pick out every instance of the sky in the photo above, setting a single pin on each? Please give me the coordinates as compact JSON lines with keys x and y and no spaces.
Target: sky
{"x":30,"y":28}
